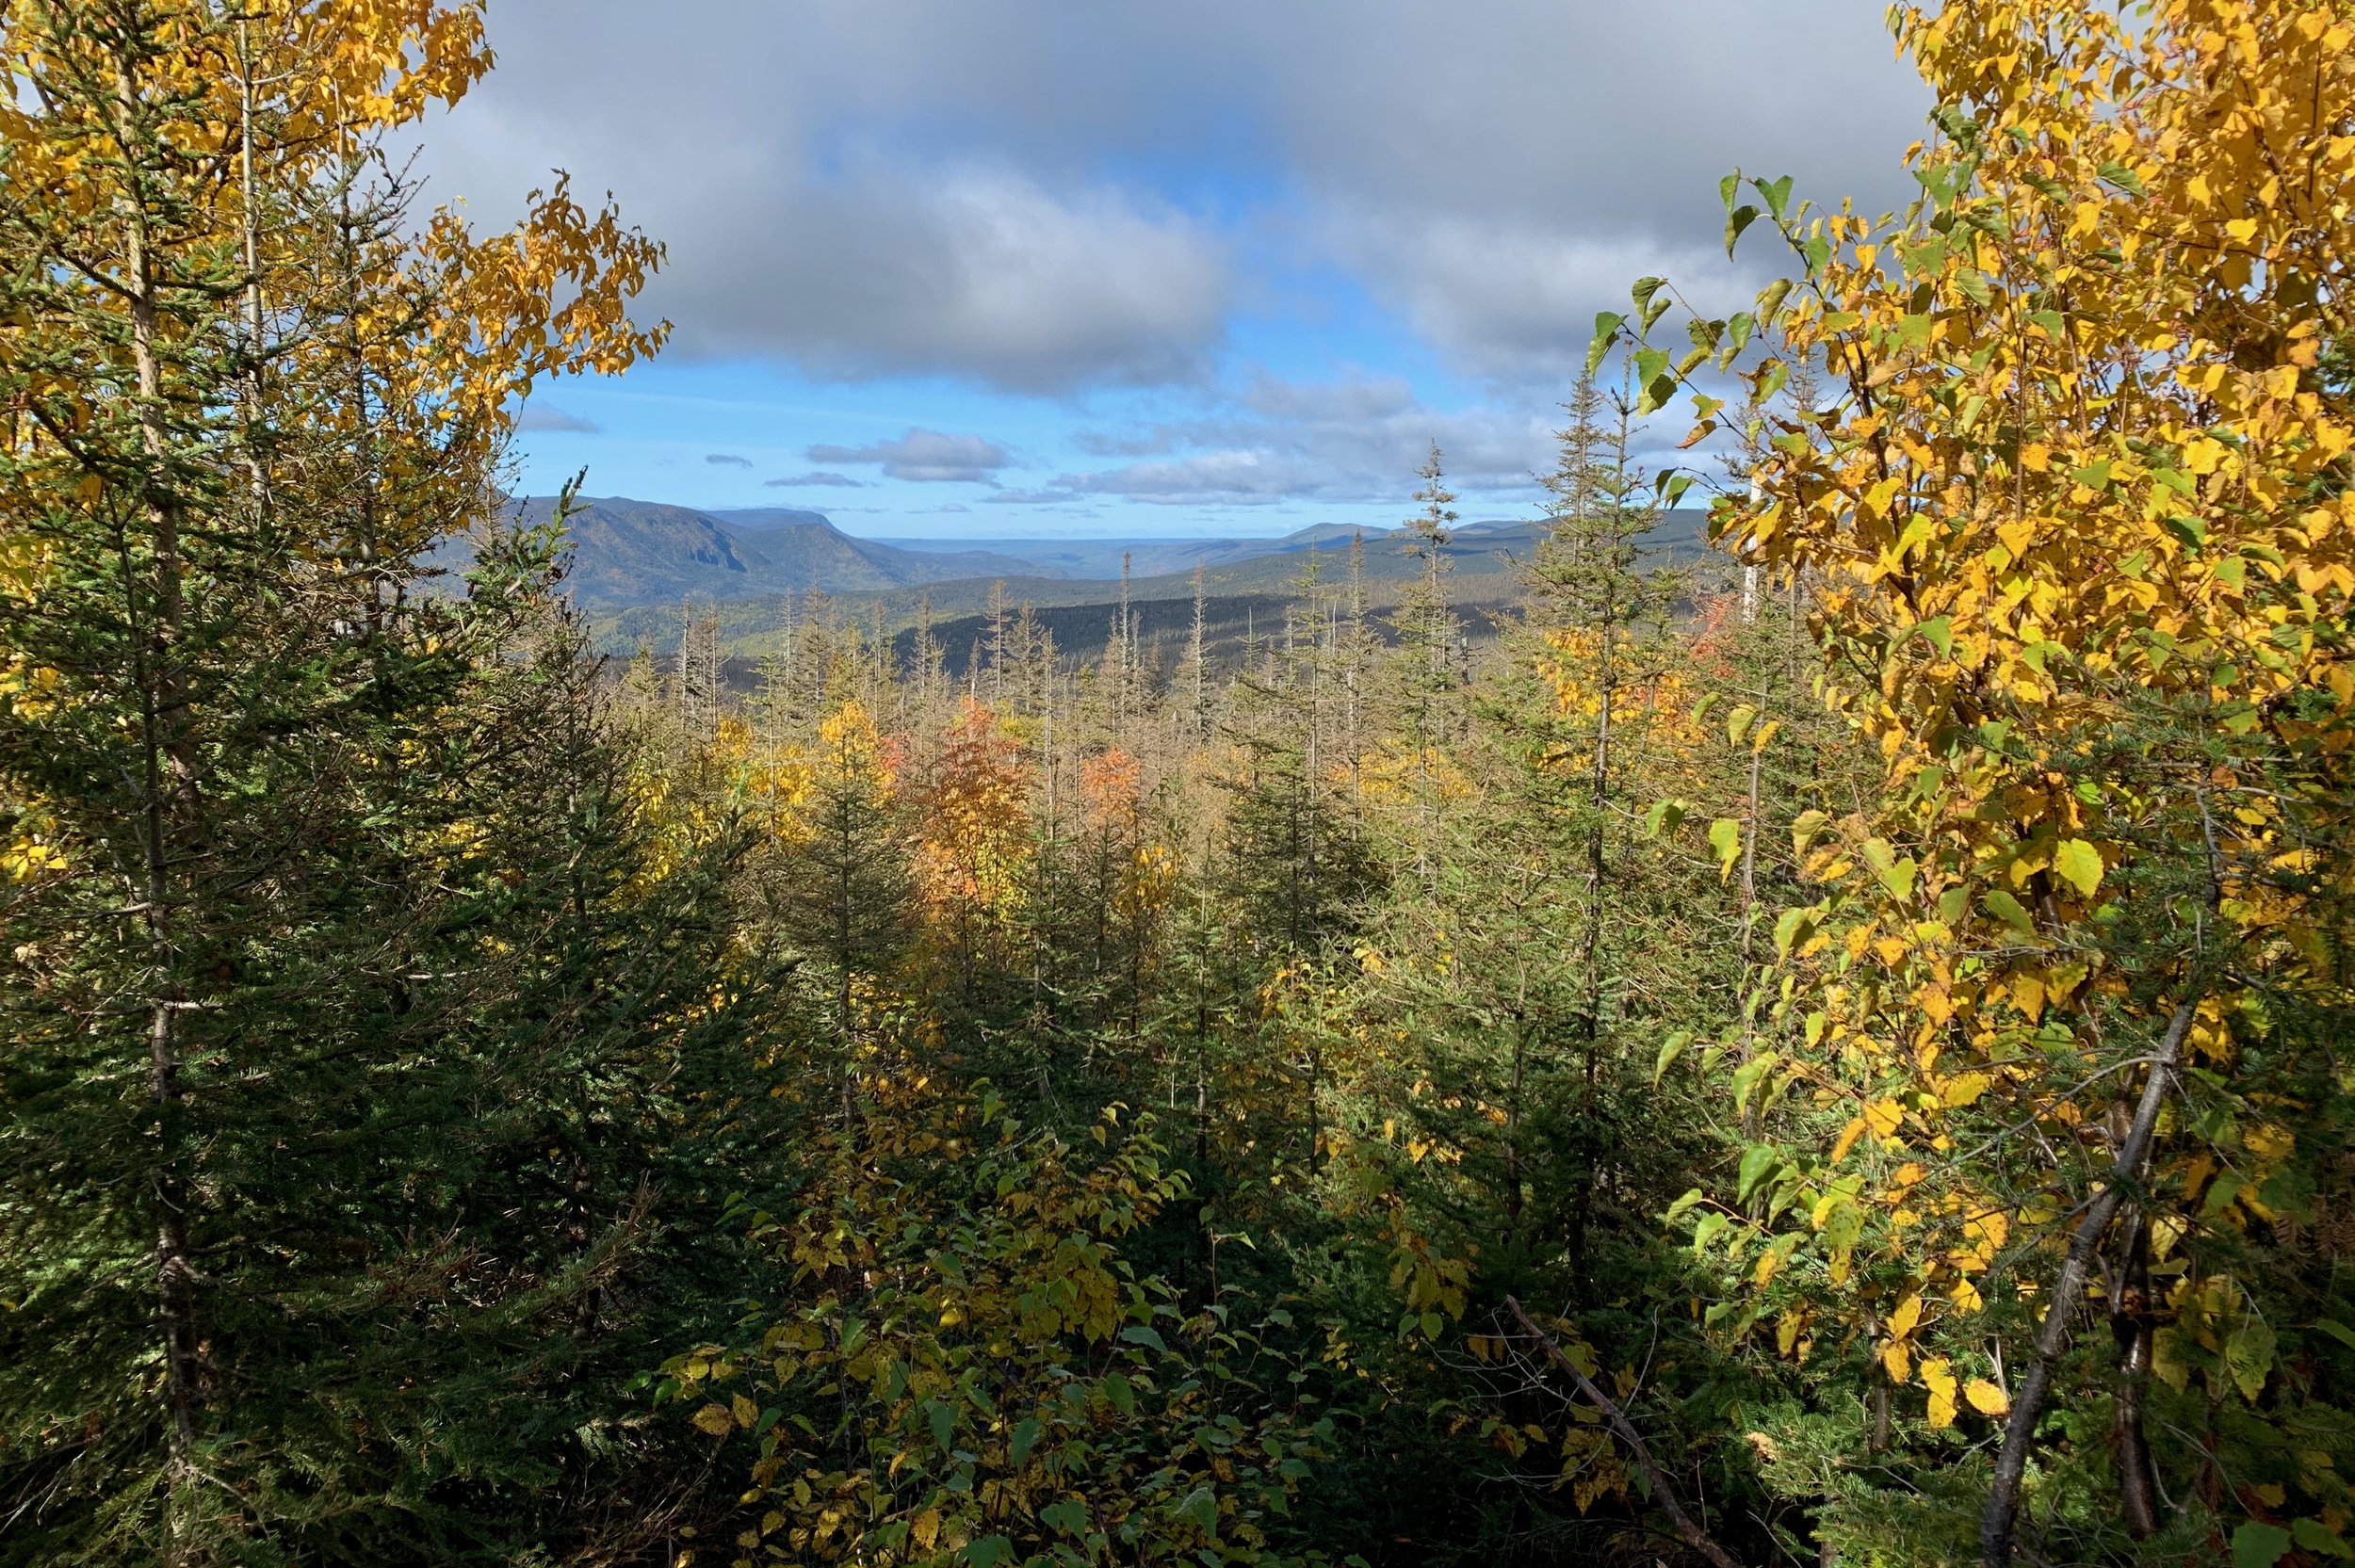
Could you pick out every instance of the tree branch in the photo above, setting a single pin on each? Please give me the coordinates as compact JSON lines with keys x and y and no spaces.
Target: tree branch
{"x":2028,"y":1406}
{"x":1695,"y":1537}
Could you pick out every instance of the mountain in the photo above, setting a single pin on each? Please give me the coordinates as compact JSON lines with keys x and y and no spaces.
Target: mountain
{"x":627,"y":553}
{"x":1150,"y":558}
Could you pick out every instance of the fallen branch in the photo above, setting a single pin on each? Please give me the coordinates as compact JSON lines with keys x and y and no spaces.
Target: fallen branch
{"x":1695,"y":1537}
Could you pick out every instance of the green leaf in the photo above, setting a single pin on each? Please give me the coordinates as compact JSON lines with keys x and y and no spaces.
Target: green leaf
{"x":1666,"y":816}
{"x":1137,"y":1334}
{"x":1724,"y":837}
{"x":944,"y":1422}
{"x":1771,"y":298}
{"x":1736,"y":221}
{"x":1644,"y":290}
{"x":988,"y":1552}
{"x":2339,"y":1332}
{"x":2256,"y":1545}
{"x":1787,"y":929}
{"x":1670,"y":1049}
{"x":1727,"y":187}
{"x":1607,"y":325}
{"x":1124,"y":1397}
{"x":2248,"y":1356}
{"x":1069,"y":1516}
{"x":2008,"y":909}
{"x":1200,"y":1507}
{"x":2079,"y":864}
{"x":1738,"y":723}
{"x":2312,"y":1535}
{"x":1776,"y":192}
{"x":1650,"y":364}
{"x":1758,"y":1162}
{"x":1939,"y":631}
{"x":2122,"y":177}
{"x":1025,"y":1438}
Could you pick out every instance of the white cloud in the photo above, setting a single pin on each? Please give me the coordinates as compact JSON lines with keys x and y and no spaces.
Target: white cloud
{"x":925,"y":456}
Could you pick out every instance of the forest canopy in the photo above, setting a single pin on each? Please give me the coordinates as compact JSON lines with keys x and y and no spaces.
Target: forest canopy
{"x":1825,"y":1054}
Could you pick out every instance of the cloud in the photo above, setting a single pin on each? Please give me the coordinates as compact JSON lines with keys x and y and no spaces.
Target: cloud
{"x":953,"y":506}
{"x":1517,"y":301}
{"x":1357,"y":437}
{"x":727,"y":459}
{"x":1030,"y":497}
{"x":889,"y":187}
{"x":924,"y":456}
{"x":544,"y":416}
{"x":816,"y":478}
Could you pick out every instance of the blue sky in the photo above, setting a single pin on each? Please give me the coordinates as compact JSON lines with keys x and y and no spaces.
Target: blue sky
{"x":1024,"y":268}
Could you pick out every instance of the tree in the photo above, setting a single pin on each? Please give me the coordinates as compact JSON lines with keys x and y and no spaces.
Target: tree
{"x":241,"y":398}
{"x":2062,"y":1017}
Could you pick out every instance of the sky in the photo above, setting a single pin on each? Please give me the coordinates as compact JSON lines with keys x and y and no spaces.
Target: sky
{"x":1035,"y":268}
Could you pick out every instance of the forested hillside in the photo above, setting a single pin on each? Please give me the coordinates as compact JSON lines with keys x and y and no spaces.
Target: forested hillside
{"x":1827,"y":1049}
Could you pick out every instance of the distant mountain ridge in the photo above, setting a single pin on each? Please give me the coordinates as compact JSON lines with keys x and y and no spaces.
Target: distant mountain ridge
{"x":629,"y":553}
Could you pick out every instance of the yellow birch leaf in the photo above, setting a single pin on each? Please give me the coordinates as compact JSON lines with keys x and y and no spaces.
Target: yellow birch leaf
{"x":1940,"y":1382}
{"x":1987,"y":1398}
{"x":2079,"y":864}
{"x":1963,"y":1088}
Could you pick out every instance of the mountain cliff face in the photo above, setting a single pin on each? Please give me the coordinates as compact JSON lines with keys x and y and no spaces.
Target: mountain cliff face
{"x":629,"y":553}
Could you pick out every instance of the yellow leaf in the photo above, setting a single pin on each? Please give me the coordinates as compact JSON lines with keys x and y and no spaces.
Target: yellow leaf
{"x":1898,"y":1361}
{"x":1903,"y":1322}
{"x":2080,"y":863}
{"x":1963,"y":1088}
{"x":1848,"y":1135}
{"x":927,"y":1528}
{"x":715,"y":1420}
{"x":1940,"y":1383}
{"x":1987,"y":1398}
{"x":745,"y":1411}
{"x":1883,"y":1116}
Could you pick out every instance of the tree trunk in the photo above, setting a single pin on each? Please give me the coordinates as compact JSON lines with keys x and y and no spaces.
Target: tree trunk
{"x":1999,"y":1517}
{"x":168,"y":777}
{"x":2130,"y":1325}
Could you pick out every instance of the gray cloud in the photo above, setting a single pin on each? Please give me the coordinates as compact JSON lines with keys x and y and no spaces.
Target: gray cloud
{"x":819,"y":478}
{"x":543,"y":416}
{"x":926,"y":456}
{"x":1357,"y":438}
{"x":881,"y":188}
{"x":727,"y":459}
